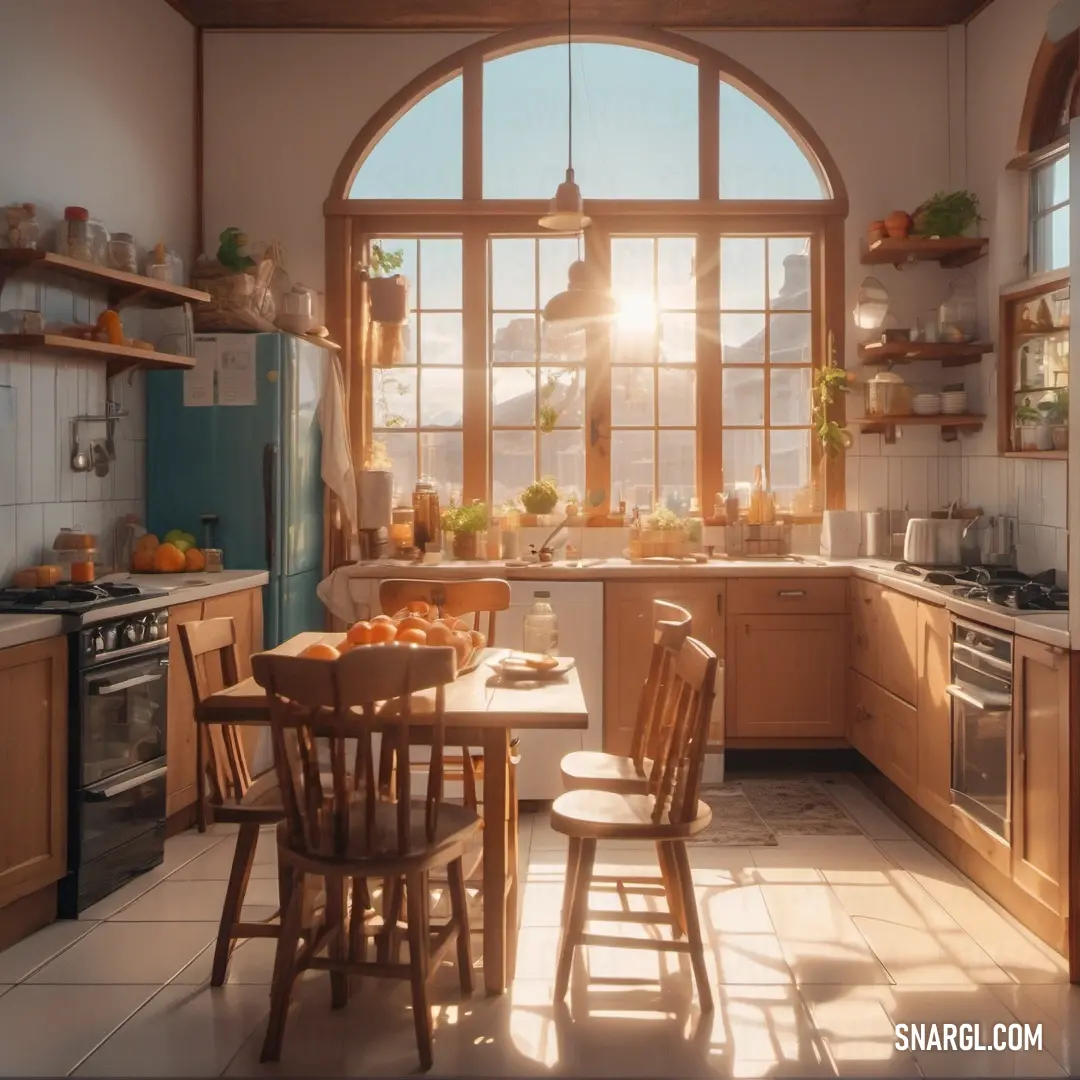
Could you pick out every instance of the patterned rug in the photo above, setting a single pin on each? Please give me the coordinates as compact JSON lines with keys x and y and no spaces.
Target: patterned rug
{"x":755,"y":812}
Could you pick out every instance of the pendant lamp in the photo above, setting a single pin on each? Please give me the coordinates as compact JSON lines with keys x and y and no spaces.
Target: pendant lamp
{"x":567,"y":213}
{"x":581,"y":302}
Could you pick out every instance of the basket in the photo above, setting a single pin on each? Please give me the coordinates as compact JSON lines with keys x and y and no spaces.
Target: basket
{"x":659,"y":543}
{"x":758,"y":540}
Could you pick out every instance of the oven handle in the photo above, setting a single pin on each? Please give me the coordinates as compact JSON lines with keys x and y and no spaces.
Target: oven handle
{"x":102,"y":794}
{"x":959,"y":648}
{"x":102,"y":688}
{"x":990,"y":701}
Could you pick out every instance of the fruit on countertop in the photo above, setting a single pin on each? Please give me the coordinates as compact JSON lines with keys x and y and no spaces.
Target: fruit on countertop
{"x":168,"y":559}
{"x":320,"y":651}
{"x":175,"y":555}
{"x":194,"y":560}
{"x":36,"y":577}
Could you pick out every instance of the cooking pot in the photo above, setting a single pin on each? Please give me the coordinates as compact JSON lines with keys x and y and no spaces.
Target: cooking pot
{"x":934,"y":541}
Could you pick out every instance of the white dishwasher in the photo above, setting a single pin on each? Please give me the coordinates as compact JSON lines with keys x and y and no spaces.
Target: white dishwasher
{"x":579,"y":610}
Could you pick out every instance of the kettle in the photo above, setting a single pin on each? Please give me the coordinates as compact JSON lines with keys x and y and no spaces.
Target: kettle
{"x":934,"y":541}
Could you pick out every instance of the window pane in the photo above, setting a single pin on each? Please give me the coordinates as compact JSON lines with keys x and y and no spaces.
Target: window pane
{"x":634,"y":344}
{"x":678,"y":401}
{"x":394,"y":397}
{"x":632,"y":267}
{"x":632,"y":468}
{"x":677,"y":470}
{"x":742,"y":274}
{"x":419,"y":157}
{"x":440,"y":275}
{"x":632,"y":396}
{"x":563,"y":390}
{"x":440,"y":398}
{"x":513,"y":274}
{"x":789,"y":339}
{"x":562,"y":455}
{"x":1050,"y":241}
{"x":440,"y":339}
{"x":744,"y":397}
{"x":789,"y":469}
{"x":678,"y":334}
{"x":561,"y":344}
{"x":513,"y":339}
{"x":1051,"y":184}
{"x":675,"y":272}
{"x":513,"y":397}
{"x":743,"y":450}
{"x":525,"y":136}
{"x":789,"y":273}
{"x":759,"y":159}
{"x":401,"y":450}
{"x":742,"y":339}
{"x":440,"y":458}
{"x":513,"y":464}
{"x":789,"y":396}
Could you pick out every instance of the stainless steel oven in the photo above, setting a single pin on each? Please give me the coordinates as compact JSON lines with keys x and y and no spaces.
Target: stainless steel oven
{"x":981,"y":693}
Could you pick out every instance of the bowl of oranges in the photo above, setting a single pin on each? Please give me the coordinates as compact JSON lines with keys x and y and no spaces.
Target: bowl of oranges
{"x":418,"y":624}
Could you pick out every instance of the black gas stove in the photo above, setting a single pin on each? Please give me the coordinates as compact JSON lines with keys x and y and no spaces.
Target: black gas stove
{"x":71,"y":599}
{"x":996,"y":585}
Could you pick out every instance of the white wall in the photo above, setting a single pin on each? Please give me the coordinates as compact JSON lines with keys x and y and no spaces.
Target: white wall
{"x":98,"y":112}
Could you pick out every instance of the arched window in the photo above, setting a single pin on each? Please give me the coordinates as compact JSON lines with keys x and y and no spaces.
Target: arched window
{"x":717,"y":217}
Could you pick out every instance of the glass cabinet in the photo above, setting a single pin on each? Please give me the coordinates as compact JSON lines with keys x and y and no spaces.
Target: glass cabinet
{"x":1034,"y":370}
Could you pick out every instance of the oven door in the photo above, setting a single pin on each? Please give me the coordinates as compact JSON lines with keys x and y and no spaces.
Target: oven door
{"x":121,"y":809}
{"x":123,"y":715}
{"x":982,"y":748}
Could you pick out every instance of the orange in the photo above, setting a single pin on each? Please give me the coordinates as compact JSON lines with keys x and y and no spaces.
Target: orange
{"x":142,"y":561}
{"x":194,"y":560}
{"x":478,"y":640}
{"x":320,"y":651}
{"x":418,"y":607}
{"x":382,"y":632}
{"x":414,"y":622}
{"x":381,"y":619}
{"x":440,"y":634}
{"x":359,"y":633}
{"x":345,"y":646}
{"x":168,"y":559}
{"x":463,"y":646}
{"x":148,"y":541}
{"x":412,"y":636}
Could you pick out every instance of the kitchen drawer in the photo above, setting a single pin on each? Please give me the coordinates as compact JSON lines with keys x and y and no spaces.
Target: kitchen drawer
{"x":884,"y":729}
{"x":787,"y":596}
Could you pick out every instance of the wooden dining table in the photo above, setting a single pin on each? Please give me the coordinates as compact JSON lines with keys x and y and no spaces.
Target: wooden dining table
{"x":481,"y":709}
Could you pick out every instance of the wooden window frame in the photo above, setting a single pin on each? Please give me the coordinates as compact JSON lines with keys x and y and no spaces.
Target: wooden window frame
{"x":351,"y":221}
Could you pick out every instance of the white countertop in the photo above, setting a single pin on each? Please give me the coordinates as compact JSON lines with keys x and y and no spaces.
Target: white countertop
{"x":20,"y":628}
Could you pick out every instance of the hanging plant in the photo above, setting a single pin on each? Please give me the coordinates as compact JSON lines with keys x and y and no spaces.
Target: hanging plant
{"x":384,"y":263}
{"x":829,"y":382}
{"x":548,"y":418}
{"x":947,"y":214}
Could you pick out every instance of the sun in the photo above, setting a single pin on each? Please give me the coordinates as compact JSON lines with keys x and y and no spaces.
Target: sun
{"x":636,"y":314}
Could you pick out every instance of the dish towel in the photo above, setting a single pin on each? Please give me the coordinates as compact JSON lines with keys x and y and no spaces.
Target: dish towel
{"x":336,"y":595}
{"x":337,"y":465}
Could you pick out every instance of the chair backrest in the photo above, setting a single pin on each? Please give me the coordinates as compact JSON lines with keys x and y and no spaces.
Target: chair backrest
{"x":212,"y":662}
{"x":671,"y":627}
{"x":318,"y":705}
{"x":676,"y":777}
{"x":456,"y":598}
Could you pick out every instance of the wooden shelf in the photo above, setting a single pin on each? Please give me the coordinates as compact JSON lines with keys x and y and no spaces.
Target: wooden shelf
{"x":951,"y":354}
{"x":122,"y":288}
{"x":951,"y":252}
{"x":1038,"y":455}
{"x":877,"y":425}
{"x":117,"y":357}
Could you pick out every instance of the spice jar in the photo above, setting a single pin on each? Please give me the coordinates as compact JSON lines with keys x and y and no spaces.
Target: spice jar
{"x":122,"y":253}
{"x":214,"y":564}
{"x":73,"y":234}
{"x":887,"y":395}
{"x":402,"y":530}
{"x":23,"y":230}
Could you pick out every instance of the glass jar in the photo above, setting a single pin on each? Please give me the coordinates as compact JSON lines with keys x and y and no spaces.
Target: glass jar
{"x":23,"y":230}
{"x":958,"y":316}
{"x":887,"y":395}
{"x":99,"y":243}
{"x":403,"y":530}
{"x":425,"y":502}
{"x":73,"y":234}
{"x":122,"y":253}
{"x":214,"y":562}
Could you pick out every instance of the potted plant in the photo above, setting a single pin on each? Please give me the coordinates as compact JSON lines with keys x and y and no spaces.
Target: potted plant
{"x":465,"y":523}
{"x":661,"y":534}
{"x":1029,"y":424}
{"x":1055,"y":413}
{"x":540,"y":497}
{"x":572,"y":504}
{"x":388,"y":304}
{"x":953,"y":213}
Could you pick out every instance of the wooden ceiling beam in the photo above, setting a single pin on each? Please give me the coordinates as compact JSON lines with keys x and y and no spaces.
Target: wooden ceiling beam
{"x":497,"y":15}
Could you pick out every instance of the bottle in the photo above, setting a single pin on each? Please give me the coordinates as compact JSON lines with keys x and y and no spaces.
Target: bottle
{"x":541,"y":629}
{"x":695,"y":526}
{"x":757,"y":499}
{"x":731,"y":508}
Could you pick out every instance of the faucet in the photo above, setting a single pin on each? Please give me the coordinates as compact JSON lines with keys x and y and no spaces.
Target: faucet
{"x":552,"y":542}
{"x":971,"y":525}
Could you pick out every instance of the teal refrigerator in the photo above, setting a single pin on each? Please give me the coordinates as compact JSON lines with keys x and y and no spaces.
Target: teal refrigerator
{"x":237,"y":439}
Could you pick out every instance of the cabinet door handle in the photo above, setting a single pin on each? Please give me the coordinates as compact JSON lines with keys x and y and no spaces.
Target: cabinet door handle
{"x":719,"y":603}
{"x":790,"y":593}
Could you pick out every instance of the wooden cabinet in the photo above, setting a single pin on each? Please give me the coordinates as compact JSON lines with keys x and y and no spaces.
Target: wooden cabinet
{"x":883,"y":638}
{"x":786,"y":676}
{"x":628,"y":633}
{"x":33,"y":767}
{"x":933,"y":666}
{"x":864,"y":643}
{"x":884,"y":730}
{"x":1040,"y":772}
{"x":787,"y":596}
{"x":245,"y":608}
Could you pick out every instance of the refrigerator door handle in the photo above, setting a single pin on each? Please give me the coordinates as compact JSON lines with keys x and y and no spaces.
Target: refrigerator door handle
{"x":269,"y":487}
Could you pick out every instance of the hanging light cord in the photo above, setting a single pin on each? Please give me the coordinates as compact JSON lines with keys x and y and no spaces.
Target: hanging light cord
{"x":569,"y":84}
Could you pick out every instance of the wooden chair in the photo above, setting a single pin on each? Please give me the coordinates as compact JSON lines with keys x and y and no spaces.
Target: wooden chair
{"x":337,"y":829}
{"x":668,"y":813}
{"x":226,"y":790}
{"x":629,"y":774}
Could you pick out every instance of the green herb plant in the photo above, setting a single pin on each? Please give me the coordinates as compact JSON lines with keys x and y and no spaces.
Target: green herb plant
{"x":947,"y":214}
{"x":384,"y":263}
{"x":829,"y":382}
{"x":541,"y":496}
{"x":472,"y":518}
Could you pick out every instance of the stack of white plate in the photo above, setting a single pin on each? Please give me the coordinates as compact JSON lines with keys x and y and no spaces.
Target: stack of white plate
{"x":926,"y":404}
{"x":954,"y":402}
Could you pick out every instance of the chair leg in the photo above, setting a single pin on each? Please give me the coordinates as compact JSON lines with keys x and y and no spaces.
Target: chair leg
{"x":672,"y":888}
{"x":513,"y":863}
{"x":338,"y":947}
{"x":243,"y":860}
{"x":468,"y":780}
{"x":459,"y":912}
{"x":579,"y":910}
{"x":418,"y":901}
{"x":200,"y":778}
{"x":573,"y":855}
{"x":391,"y":912}
{"x":693,"y":926}
{"x":284,"y":970}
{"x":361,"y":901}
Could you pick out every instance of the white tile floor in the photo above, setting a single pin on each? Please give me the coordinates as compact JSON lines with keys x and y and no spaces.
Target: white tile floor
{"x":817,"y":947}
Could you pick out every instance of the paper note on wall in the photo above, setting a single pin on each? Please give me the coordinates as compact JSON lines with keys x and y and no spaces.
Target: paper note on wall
{"x":236,"y":383}
{"x":199,"y":380}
